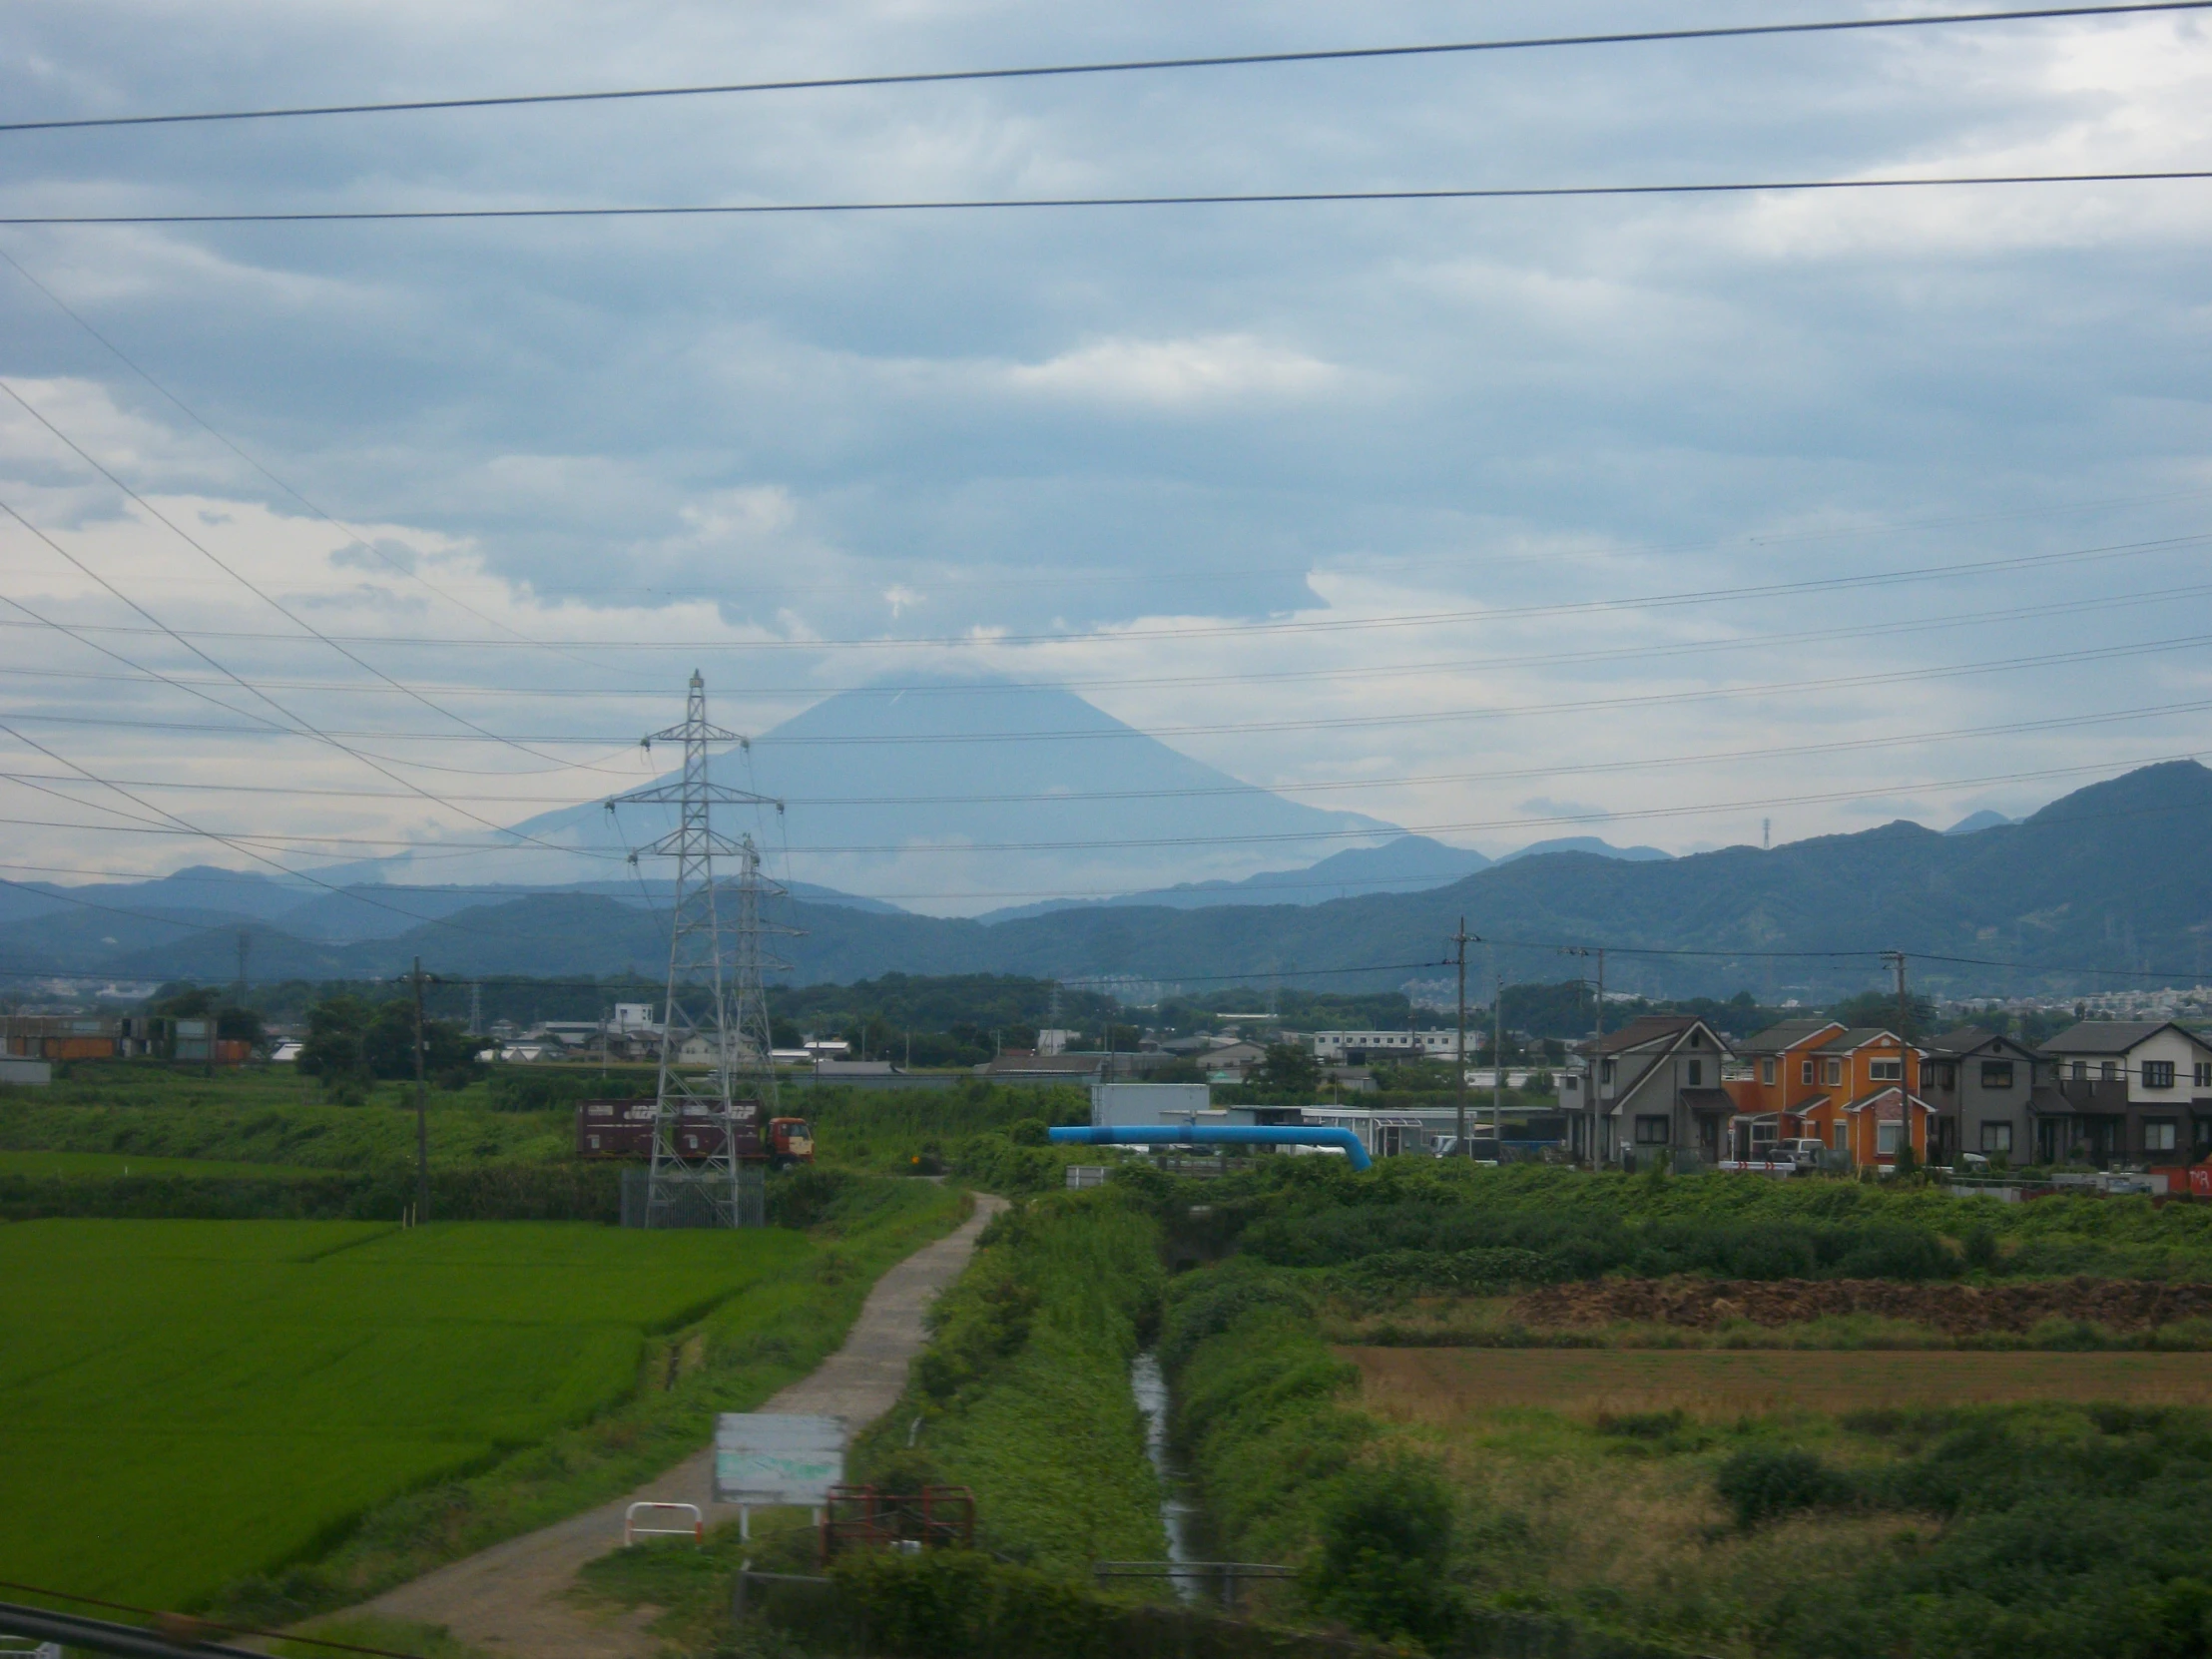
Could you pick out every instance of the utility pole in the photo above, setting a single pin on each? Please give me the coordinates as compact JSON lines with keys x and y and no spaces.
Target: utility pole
{"x":1497,"y":1057}
{"x":1895,"y":959}
{"x":477,"y":1007}
{"x":245,"y":945}
{"x":1596,"y":1060}
{"x":1460,"y":1059}
{"x":421,"y":1106}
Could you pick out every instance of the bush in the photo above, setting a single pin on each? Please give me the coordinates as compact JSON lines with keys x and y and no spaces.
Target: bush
{"x":1386,"y":1538}
{"x":1765,"y":1483}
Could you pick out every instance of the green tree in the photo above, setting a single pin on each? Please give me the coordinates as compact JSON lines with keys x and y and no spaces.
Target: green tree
{"x":1288,"y":1069}
{"x":1385,"y":1543}
{"x":349,"y":1041}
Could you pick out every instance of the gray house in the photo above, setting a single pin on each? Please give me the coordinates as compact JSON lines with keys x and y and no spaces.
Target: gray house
{"x":1980,"y":1084}
{"x":2121,"y":1091}
{"x":1653,"y":1087}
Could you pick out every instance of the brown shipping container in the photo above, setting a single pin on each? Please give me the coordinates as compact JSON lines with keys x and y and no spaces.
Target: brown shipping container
{"x":80,"y":1048}
{"x":624,"y":1129}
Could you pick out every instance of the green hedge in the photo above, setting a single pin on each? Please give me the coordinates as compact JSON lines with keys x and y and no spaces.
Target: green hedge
{"x":1317,"y":1213}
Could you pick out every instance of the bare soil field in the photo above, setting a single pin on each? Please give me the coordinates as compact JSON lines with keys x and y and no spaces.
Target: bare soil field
{"x":1955,"y":1310}
{"x":1441,"y":1385}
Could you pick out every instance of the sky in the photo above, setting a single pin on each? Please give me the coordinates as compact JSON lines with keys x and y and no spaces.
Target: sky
{"x":1678,"y":520}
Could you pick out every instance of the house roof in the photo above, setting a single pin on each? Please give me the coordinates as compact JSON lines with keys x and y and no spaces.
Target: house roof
{"x":1788,"y":1034}
{"x":2111,"y":1037}
{"x":1858,"y":1037}
{"x":1877,"y":1097}
{"x":1965,"y":1041}
{"x":1642,"y":1032}
{"x":1065,"y":1065}
{"x":1708,"y":1100}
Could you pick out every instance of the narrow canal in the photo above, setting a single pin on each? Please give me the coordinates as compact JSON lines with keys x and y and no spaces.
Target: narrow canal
{"x":1176,"y":1515}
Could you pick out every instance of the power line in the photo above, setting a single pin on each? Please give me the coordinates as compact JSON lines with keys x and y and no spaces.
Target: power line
{"x":1079,"y":796}
{"x":238,"y":576}
{"x":298,"y":727}
{"x":1220,"y":198}
{"x":206,"y":426}
{"x":185,"y":827}
{"x":304,"y":843}
{"x":1391,"y":620}
{"x":1125,"y":66}
{"x":1924,"y":623}
{"x":1118,"y":731}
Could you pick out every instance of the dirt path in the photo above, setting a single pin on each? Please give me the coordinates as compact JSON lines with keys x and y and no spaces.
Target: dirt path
{"x":510,"y":1598}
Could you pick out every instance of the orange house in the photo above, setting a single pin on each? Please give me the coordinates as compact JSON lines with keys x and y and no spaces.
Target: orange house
{"x":1854,"y":1091}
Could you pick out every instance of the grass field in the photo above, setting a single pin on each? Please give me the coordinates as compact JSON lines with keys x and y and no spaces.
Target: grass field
{"x":1443,"y":1386}
{"x":185,"y":1403}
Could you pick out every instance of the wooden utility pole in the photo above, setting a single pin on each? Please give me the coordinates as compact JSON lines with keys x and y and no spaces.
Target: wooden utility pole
{"x":421,"y":1106}
{"x":1498,"y":1059}
{"x":1460,"y":1059}
{"x":1596,"y":1060}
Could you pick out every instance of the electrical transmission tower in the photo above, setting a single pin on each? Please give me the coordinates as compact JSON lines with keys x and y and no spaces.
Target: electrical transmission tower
{"x":708,"y":1123}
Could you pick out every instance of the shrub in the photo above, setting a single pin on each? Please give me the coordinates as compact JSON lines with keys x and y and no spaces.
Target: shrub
{"x":1765,"y":1483}
{"x":1386,"y":1538}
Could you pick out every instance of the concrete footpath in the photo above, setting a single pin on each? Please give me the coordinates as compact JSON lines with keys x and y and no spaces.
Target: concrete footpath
{"x":511,"y":1598}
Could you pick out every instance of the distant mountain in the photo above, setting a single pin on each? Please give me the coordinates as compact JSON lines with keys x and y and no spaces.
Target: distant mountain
{"x":2113,"y":880}
{"x":953,"y":797}
{"x":1586,"y":844}
{"x":1983,"y":819}
{"x":1410,"y":863}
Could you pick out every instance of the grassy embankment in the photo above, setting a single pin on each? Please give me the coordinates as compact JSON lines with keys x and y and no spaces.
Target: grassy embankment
{"x":1023,"y":1395}
{"x":341,"y":1406}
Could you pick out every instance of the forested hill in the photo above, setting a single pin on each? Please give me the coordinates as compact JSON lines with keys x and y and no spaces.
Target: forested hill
{"x":2114,"y":876}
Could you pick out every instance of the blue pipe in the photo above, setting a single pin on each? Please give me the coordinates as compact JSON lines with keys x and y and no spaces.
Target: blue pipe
{"x":1192,"y":1134}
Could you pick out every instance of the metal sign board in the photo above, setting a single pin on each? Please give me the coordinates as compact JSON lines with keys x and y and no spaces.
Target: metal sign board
{"x":766,"y":1457}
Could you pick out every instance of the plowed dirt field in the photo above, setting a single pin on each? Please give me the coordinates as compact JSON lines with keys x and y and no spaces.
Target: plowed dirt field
{"x":1443,"y":1384}
{"x":1956,"y":1310}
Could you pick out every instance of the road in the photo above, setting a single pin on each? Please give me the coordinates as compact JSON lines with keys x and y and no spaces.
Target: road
{"x":511,"y":1598}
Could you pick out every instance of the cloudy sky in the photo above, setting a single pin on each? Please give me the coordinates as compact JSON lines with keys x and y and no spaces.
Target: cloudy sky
{"x":1322,"y":493}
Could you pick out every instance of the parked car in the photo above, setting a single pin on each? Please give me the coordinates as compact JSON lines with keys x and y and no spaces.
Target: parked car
{"x":1805,"y":1154}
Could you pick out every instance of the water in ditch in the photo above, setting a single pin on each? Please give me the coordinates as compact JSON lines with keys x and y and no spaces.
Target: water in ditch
{"x":1178,"y":1516}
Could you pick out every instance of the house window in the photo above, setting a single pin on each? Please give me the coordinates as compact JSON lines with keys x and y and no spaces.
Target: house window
{"x":2201,"y":1074}
{"x":1605,"y":1071}
{"x":1765,"y":1072}
{"x":1805,"y":1071}
{"x":2108,"y":1072}
{"x":1651,"y":1131}
{"x":1697,"y":1039}
{"x":1885,"y":1136}
{"x":1693,"y":1074}
{"x":1832,"y":1073}
{"x":1997,"y":1137}
{"x":1886,"y":1071}
{"x":2159,"y":1134}
{"x":1997,"y":1074}
{"x":2158,"y":1074}
{"x":2082,"y":1071}
{"x":1842,"y":1136}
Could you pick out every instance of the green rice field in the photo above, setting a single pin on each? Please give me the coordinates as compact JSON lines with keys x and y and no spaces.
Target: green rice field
{"x":183,"y":1402}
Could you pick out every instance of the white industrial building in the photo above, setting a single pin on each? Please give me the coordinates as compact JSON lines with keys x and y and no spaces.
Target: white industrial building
{"x":1358,"y":1048}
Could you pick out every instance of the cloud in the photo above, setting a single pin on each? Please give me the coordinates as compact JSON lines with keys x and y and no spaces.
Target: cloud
{"x":1179,"y":374}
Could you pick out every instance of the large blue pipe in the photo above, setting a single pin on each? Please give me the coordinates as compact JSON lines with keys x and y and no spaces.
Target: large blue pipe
{"x":1227,"y":1134}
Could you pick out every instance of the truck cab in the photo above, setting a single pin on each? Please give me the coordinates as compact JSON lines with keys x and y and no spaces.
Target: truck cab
{"x":789,"y":1141}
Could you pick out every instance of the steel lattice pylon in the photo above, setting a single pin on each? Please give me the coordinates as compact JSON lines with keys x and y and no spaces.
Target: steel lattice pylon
{"x":708,"y":1123}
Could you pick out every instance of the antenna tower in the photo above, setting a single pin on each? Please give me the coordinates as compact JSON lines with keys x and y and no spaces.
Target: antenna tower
{"x":717,"y":1079}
